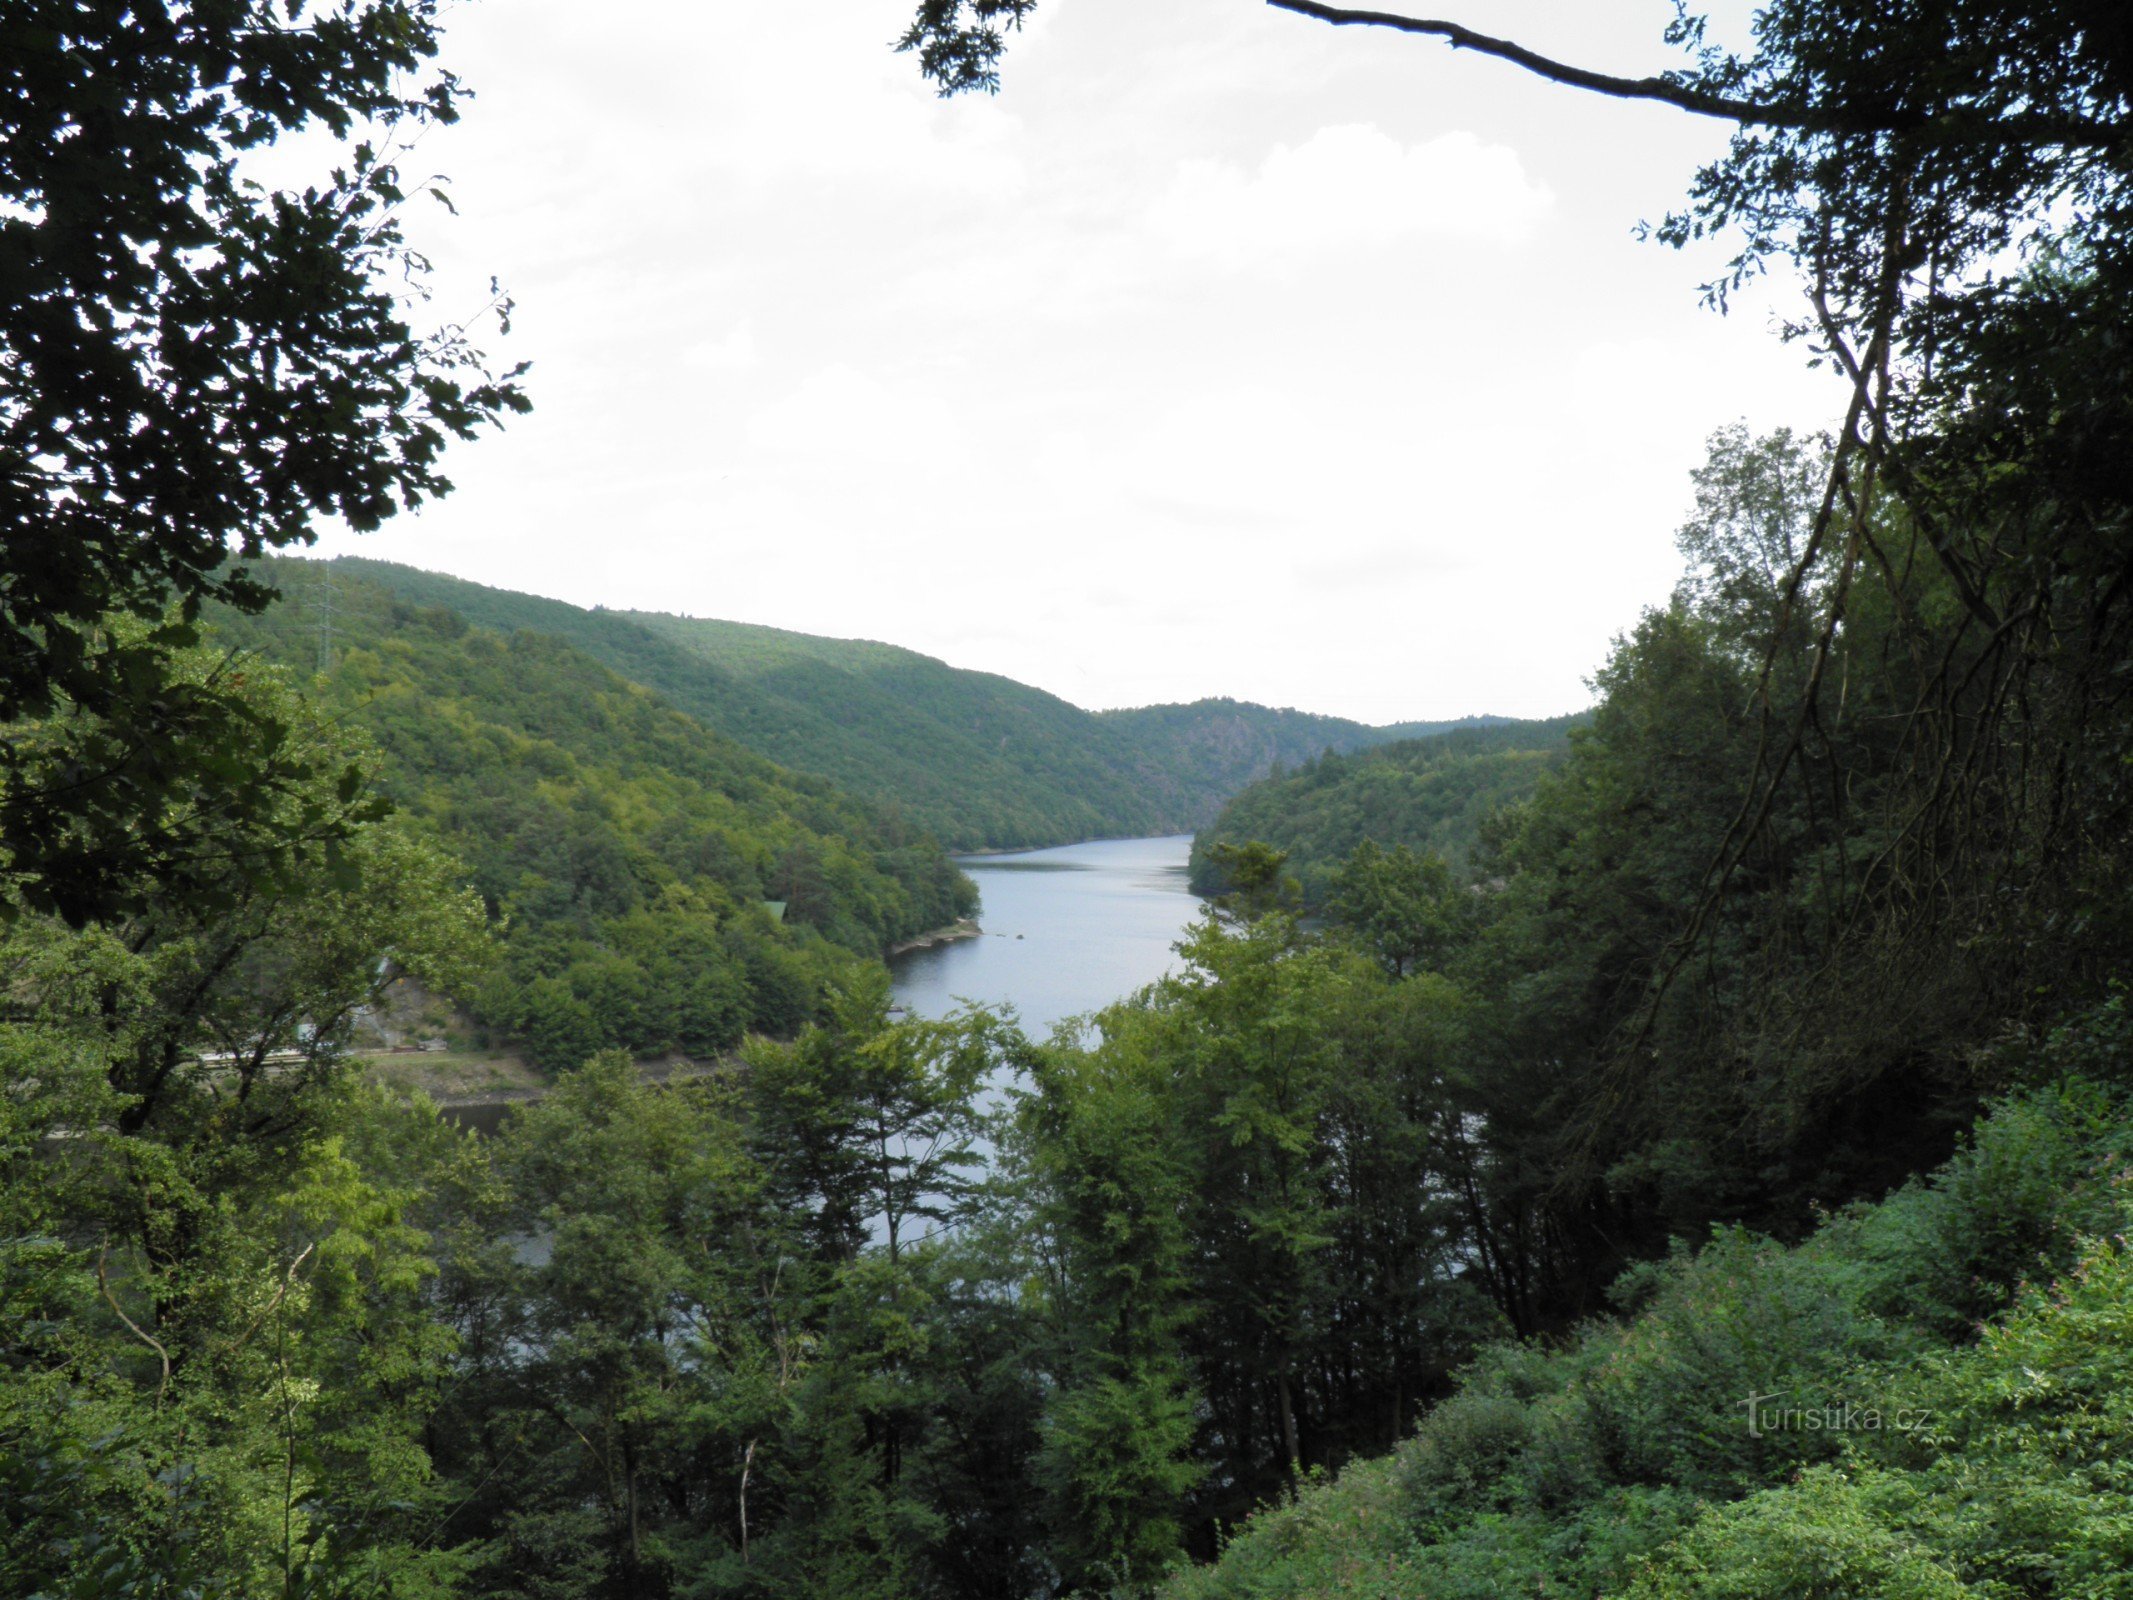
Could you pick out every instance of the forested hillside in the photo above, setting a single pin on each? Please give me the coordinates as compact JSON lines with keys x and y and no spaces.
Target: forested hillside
{"x":978,"y":760}
{"x":1201,"y":753}
{"x":1923,"y":1398}
{"x":1427,"y":795}
{"x":1719,"y":1191}
{"x":628,"y":850}
{"x":993,"y":763}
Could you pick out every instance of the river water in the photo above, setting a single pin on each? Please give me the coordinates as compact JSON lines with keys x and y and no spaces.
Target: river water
{"x":1067,"y":930}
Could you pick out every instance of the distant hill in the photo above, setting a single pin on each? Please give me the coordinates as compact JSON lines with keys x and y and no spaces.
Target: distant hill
{"x":631,"y":848}
{"x":1431,"y":793}
{"x":985,"y":762}
{"x":977,"y":760}
{"x":1197,"y":756}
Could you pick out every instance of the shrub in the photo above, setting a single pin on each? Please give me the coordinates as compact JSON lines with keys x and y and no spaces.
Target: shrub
{"x":1459,"y":1456}
{"x":2010,"y":1206}
{"x":1823,"y":1537}
{"x":1743,"y":1318}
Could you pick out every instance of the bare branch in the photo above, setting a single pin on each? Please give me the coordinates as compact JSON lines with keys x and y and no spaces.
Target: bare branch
{"x":163,"y":1355}
{"x":1948,"y":127}
{"x":274,"y":1304}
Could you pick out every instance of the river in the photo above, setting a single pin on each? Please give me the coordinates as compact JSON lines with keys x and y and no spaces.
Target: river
{"x":1067,"y":930}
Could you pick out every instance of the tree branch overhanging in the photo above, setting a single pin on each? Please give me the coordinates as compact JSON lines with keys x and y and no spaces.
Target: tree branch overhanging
{"x":1947,"y":127}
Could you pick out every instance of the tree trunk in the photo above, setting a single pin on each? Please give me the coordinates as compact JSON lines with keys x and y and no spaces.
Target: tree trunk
{"x":1288,"y":1432}
{"x":747,"y":1465}
{"x":629,"y":1500}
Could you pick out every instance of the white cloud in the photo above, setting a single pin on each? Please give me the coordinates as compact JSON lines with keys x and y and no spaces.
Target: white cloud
{"x":732,"y":351}
{"x":1347,"y":188}
{"x":842,"y":417}
{"x":816,"y":349}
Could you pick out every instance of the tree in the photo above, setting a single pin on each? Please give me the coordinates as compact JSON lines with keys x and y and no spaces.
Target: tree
{"x":1113,"y":1251}
{"x":1255,"y":881}
{"x":1254,"y":1249}
{"x":1927,"y":744}
{"x":196,"y":366}
{"x":1895,"y":159}
{"x":1755,"y":502}
{"x":1403,"y":905}
{"x":217,"y":1353}
{"x":865,"y":1123}
{"x":960,"y":42}
{"x":639,"y":1325}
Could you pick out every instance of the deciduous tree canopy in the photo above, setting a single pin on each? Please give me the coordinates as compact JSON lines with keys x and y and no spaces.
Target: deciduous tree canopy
{"x":193,"y":364}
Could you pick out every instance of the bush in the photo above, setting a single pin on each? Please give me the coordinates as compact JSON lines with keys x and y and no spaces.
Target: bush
{"x":2025,"y":1467}
{"x":1460,"y":1455}
{"x":1824,"y":1537}
{"x":1993,"y":1455}
{"x":2009,"y":1207}
{"x":1745,"y":1317}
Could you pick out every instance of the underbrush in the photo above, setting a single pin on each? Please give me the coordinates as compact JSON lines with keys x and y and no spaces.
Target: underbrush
{"x":1931,"y":1396}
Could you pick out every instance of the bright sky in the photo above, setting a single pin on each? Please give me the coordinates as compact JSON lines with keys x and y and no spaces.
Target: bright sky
{"x":1222,"y":353}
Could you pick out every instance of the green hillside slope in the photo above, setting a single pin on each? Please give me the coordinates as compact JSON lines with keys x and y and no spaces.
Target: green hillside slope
{"x":1925,"y":1398}
{"x":1200,"y":754}
{"x":1429,"y":793}
{"x":978,"y":760}
{"x":990,"y":762}
{"x":630,"y":848}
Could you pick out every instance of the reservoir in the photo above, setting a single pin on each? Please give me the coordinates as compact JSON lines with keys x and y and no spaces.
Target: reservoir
{"x":1067,"y":930}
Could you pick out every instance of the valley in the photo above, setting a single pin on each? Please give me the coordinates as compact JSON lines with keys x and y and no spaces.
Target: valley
{"x":976,"y":760}
{"x":504,"y":1097}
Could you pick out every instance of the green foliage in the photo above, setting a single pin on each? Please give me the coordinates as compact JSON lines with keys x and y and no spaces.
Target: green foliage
{"x":218,"y":1354}
{"x":1117,"y":1468}
{"x":1405,"y":908}
{"x":861,"y":1122}
{"x":2010,"y":1206}
{"x":1839,"y":855}
{"x":169,"y":326}
{"x":713,"y":1365}
{"x":1236,"y":1199}
{"x":1829,"y":1536}
{"x":625,"y":847}
{"x":1427,"y":795}
{"x":1203,"y":753}
{"x":975,"y":759}
{"x":1896,"y":1454}
{"x":1258,"y":879}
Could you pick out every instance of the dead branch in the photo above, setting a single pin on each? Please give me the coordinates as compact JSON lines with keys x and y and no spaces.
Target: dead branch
{"x":1945,"y":128}
{"x":104,"y":1284}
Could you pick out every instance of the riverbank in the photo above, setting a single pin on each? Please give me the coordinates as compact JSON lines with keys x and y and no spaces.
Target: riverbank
{"x":475,"y":1088}
{"x":965,"y":928}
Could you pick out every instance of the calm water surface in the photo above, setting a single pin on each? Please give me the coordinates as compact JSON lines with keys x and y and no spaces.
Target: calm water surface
{"x":1066,"y":930}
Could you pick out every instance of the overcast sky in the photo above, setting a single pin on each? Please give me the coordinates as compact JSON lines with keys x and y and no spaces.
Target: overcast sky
{"x":1222,"y":353}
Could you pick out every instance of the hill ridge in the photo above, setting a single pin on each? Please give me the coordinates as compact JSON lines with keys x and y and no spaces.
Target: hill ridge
{"x":978,"y":759}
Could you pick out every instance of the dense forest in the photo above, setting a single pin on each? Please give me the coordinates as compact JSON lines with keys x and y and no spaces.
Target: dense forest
{"x":1707,"y":1180}
{"x":1924,"y":1397}
{"x":631,"y":857}
{"x":977,"y":760}
{"x":1432,"y":796}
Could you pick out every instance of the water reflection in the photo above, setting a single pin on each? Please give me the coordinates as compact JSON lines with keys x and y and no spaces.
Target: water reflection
{"x":1067,"y":931}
